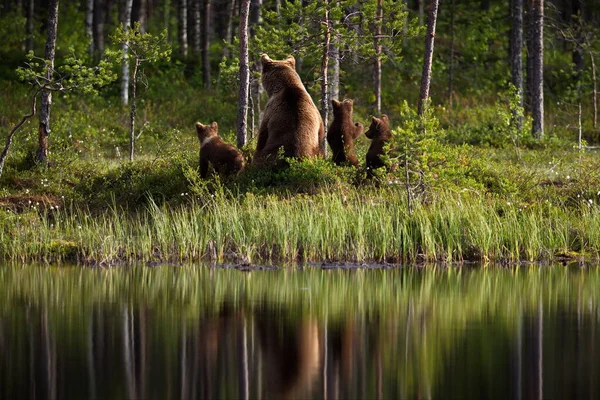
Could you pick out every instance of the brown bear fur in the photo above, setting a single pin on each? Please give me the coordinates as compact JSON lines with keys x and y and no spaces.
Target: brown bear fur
{"x":342,"y":132}
{"x":379,"y":132}
{"x":290,"y":118}
{"x":225,"y":158}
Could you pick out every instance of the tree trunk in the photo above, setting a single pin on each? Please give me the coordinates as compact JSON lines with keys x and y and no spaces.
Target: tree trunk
{"x":197,"y":27}
{"x":139,"y":14}
{"x":242,"y":119}
{"x":256,"y":88}
{"x":334,"y":52}
{"x":206,"y":44}
{"x":421,"y":12}
{"x":428,"y":59}
{"x":46,"y":99}
{"x":324,"y":73}
{"x":183,"y":39}
{"x":29,"y":43}
{"x":126,"y":21}
{"x":98,"y":28}
{"x":229,"y":28}
{"x":451,"y":66}
{"x":594,"y":90}
{"x":136,"y":65}
{"x":378,"y":54}
{"x":167,"y":18}
{"x":537,"y":78}
{"x":529,"y":61}
{"x":516,"y":53}
{"x":255,"y":14}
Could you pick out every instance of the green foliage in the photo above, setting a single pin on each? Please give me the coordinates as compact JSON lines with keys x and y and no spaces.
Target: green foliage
{"x":71,"y":75}
{"x":492,"y":125}
{"x":141,"y":47}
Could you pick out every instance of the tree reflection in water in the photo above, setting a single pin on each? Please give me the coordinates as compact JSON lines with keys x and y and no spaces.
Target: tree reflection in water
{"x":478,"y":335}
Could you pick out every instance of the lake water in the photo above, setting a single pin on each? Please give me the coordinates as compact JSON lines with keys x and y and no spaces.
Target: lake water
{"x":198,"y":332}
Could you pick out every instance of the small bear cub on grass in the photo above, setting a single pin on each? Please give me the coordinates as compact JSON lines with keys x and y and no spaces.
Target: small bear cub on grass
{"x":342,"y":132}
{"x":225,"y":158}
{"x":379,"y":132}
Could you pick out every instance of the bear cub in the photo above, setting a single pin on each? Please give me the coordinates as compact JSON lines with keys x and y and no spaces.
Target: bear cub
{"x":342,"y":132}
{"x":290,"y":119}
{"x":225,"y":158}
{"x":379,"y":132}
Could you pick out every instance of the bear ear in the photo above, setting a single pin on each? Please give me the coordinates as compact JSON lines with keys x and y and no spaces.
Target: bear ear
{"x":199,"y":125}
{"x":264,"y":57}
{"x":214,"y":125}
{"x":385,"y":118}
{"x":375,"y":120}
{"x":291,"y":60}
{"x":335,"y":103}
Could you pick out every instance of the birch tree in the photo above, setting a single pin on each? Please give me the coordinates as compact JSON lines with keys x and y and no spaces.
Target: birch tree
{"x":183,"y":38}
{"x":72,"y":75}
{"x":126,"y":21}
{"x":141,"y":48}
{"x":242,"y":118}
{"x":516,"y":51}
{"x":537,"y":72}
{"x":46,"y":100}
{"x":206,"y":75}
{"x":428,"y":59}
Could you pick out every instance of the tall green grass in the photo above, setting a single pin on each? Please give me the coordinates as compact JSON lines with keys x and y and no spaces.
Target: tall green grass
{"x":358,"y":226}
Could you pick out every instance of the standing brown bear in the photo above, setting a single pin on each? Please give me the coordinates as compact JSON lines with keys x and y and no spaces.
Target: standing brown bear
{"x":379,"y":132}
{"x":225,"y":158}
{"x":342,"y":132}
{"x":290,"y":119}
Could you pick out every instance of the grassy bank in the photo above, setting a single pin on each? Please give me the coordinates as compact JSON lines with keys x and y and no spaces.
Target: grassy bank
{"x":362,"y":226}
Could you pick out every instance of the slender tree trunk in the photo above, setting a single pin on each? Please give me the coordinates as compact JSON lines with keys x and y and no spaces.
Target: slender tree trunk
{"x":428,"y":59}
{"x":537,"y":78}
{"x":183,"y":39}
{"x":451,"y":66}
{"x":229,"y":28}
{"x":29,"y":43}
{"x":206,"y":44}
{"x":256,"y":88}
{"x":136,"y":65}
{"x":529,"y":61}
{"x":46,"y":99}
{"x":255,"y":14}
{"x":167,"y":18}
{"x":334,"y":51}
{"x":197,"y":27}
{"x":421,"y":5}
{"x":516,"y":53}
{"x":126,"y":21}
{"x":325,"y":73}
{"x":378,"y":54}
{"x":242,"y":119}
{"x":140,"y":14}
{"x":98,"y":28}
{"x":594,"y":90}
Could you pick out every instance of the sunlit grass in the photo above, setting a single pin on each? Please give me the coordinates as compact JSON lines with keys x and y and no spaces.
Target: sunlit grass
{"x":325,"y":226}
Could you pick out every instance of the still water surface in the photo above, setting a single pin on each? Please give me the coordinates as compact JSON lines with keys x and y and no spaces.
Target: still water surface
{"x":198,"y":332}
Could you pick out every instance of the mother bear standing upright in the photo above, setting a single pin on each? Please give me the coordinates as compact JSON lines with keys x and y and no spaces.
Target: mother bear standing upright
{"x":290,"y":119}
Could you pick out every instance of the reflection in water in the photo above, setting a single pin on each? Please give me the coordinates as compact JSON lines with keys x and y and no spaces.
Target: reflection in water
{"x":442,"y":338}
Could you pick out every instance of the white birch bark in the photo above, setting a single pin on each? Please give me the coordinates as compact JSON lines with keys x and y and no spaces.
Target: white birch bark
{"x":428,"y":59}
{"x":46,"y":98}
{"x":126,"y":21}
{"x":242,"y":119}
